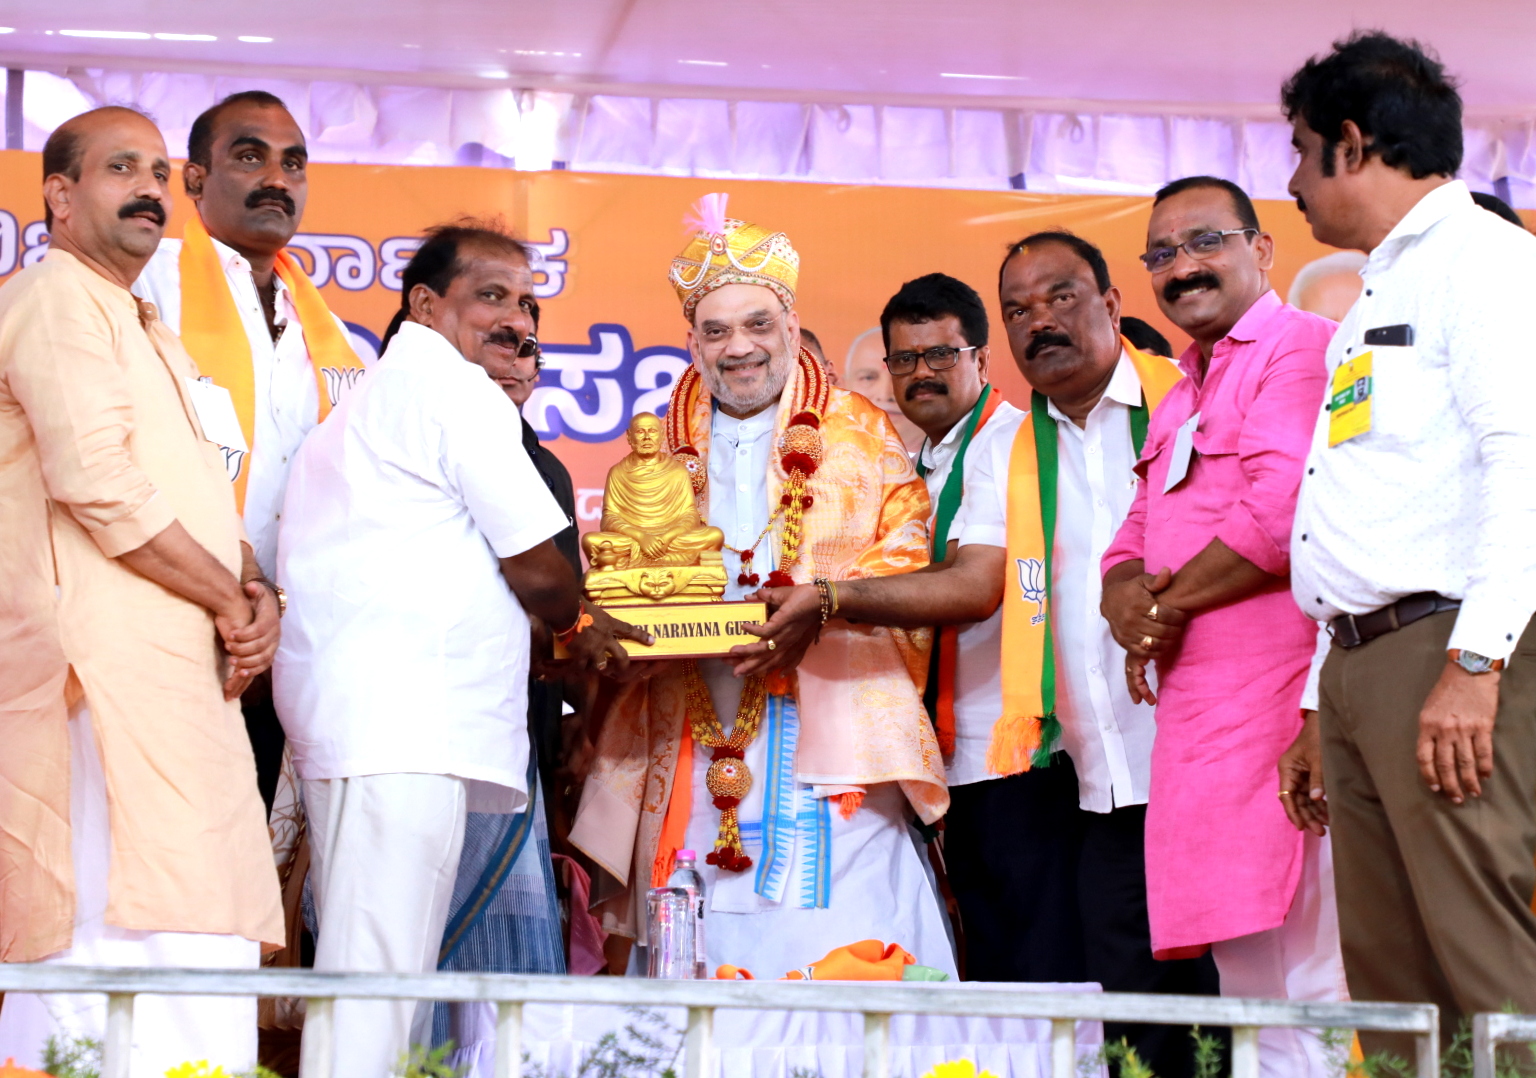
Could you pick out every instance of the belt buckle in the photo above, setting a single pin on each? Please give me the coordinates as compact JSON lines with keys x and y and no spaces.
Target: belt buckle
{"x":1352,"y":639}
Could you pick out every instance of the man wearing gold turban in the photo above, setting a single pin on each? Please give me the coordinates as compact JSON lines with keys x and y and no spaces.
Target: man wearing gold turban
{"x":796,"y":781}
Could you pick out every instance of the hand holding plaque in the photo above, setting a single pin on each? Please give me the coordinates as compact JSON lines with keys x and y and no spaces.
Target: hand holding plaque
{"x":655,"y":556}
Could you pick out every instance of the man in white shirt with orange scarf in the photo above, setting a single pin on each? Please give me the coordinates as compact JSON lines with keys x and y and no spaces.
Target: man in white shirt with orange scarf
{"x":254,"y":323}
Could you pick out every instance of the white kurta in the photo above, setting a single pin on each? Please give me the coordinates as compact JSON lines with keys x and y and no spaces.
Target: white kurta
{"x":867,"y":870}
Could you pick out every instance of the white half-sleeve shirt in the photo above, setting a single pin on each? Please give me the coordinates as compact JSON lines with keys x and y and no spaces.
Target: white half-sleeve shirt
{"x":404,"y":650}
{"x":1107,"y":736}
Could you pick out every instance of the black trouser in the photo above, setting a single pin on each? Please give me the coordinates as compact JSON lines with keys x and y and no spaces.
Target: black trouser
{"x":266,"y":734}
{"x":1112,"y":895}
{"x":1048,"y":892}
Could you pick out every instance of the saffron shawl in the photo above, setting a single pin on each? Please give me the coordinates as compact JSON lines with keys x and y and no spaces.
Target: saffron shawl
{"x":859,"y":688}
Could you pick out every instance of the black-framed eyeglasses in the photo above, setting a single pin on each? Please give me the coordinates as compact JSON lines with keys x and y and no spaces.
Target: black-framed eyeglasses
{"x":1202,"y":246}
{"x":939,"y":358}
{"x":530,"y":349}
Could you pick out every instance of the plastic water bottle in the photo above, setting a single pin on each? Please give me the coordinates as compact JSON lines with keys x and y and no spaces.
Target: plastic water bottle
{"x":686,"y":875}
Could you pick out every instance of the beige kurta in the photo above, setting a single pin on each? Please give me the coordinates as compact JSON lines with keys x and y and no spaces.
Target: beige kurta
{"x":100,"y":450}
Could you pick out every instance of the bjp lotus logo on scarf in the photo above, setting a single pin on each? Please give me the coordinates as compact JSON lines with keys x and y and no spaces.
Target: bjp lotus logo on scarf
{"x":1032,"y":584}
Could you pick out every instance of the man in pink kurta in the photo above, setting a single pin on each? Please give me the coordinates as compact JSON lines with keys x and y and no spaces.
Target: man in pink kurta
{"x":1197,"y":580}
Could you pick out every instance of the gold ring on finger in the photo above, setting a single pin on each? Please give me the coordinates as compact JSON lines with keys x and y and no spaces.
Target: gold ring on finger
{"x":1152,"y":614}
{"x":772,"y":646}
{"x":1285,"y":793}
{"x":1146,"y":643}
{"x":603,"y":665}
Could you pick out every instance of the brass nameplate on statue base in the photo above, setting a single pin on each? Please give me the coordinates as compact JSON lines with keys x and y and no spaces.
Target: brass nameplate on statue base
{"x":688,"y":630}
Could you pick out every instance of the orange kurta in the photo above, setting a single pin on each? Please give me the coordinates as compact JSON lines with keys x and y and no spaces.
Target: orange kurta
{"x":100,"y":451}
{"x":859,"y":689}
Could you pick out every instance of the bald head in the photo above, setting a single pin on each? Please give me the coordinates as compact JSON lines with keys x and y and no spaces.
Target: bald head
{"x":106,"y":185}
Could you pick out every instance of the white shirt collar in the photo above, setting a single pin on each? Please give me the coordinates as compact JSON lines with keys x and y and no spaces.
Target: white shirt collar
{"x":416,"y":341}
{"x":929,"y":453}
{"x":1429,"y":211}
{"x":232,"y":261}
{"x":749,"y":429}
{"x":1124,"y":388}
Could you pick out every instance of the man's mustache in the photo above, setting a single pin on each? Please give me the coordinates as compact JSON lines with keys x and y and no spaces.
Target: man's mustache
{"x":505,"y":338}
{"x":1174,"y":289}
{"x":143,"y":205}
{"x":271,"y":194}
{"x":734,"y":363}
{"x":931,"y":384}
{"x":1041,"y":341}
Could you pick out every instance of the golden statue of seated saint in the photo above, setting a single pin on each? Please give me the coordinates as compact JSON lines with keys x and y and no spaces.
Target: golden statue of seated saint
{"x":652,"y":547}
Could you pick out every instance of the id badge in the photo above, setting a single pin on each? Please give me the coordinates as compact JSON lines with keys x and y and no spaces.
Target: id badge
{"x":215,"y":410}
{"x":1349,"y":405}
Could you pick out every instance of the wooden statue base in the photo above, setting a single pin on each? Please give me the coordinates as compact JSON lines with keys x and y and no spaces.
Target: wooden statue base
{"x":688,"y":630}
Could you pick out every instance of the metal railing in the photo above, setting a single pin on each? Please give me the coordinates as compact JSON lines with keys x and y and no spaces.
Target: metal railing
{"x":877,"y":1002}
{"x":1491,"y":1030}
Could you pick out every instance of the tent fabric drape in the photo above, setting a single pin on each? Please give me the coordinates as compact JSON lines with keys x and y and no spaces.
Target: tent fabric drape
{"x":1103,"y":151}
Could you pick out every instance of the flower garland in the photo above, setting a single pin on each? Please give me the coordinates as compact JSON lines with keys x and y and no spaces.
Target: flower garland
{"x":800,"y":454}
{"x":728,"y":779}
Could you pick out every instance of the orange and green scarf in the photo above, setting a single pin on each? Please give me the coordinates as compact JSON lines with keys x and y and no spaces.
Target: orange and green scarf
{"x":1028,"y":731}
{"x":215,"y":336}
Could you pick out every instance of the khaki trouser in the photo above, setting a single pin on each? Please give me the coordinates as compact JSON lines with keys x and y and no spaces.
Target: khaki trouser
{"x":1434,"y":898}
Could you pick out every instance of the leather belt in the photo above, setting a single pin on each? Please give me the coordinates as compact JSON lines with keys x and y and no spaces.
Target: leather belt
{"x":1352,"y":630}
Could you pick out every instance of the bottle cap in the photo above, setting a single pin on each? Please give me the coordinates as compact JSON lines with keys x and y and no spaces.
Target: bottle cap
{"x":690,"y":854}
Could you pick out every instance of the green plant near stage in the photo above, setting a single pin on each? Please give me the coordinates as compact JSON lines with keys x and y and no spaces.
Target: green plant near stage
{"x":422,"y":1062}
{"x":80,"y":1057}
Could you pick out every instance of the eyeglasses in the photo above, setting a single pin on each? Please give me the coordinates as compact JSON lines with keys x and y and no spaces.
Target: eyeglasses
{"x":1202,"y":246}
{"x":939,"y":358}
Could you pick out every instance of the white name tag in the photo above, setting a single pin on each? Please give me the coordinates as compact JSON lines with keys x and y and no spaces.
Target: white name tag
{"x":1183,"y":449}
{"x":216,"y":413}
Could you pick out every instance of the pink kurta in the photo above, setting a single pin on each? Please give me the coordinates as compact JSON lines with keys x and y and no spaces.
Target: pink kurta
{"x":1222,"y":860}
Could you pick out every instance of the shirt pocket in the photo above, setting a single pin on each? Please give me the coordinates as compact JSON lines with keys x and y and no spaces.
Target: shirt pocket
{"x":1405,"y":393}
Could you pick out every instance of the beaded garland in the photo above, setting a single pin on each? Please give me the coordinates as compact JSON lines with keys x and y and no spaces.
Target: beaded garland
{"x":800,"y":454}
{"x":728,"y":779}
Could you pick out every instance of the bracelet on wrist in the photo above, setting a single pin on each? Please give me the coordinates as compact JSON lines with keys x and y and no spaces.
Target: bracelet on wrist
{"x":583,"y":619}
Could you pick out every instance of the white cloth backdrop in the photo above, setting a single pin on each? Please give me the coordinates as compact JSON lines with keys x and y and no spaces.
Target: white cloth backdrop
{"x":1105,"y":152}
{"x":774,"y":1044}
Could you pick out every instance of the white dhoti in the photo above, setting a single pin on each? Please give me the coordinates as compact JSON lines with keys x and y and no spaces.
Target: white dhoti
{"x":385,"y":852}
{"x":167,"y":1030}
{"x":1299,"y":961}
{"x":818,"y":881}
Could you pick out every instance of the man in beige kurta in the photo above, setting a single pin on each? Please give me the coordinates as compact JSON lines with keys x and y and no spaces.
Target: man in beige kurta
{"x":131,"y":830}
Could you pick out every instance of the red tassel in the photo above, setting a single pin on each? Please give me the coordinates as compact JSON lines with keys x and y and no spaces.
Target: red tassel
{"x":801,"y":462}
{"x":780,"y":579}
{"x":723,"y":803}
{"x":805,"y":419}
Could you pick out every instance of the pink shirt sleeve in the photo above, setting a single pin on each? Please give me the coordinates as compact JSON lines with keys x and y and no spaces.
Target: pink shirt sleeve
{"x":1272,"y":450}
{"x":1130,"y":541}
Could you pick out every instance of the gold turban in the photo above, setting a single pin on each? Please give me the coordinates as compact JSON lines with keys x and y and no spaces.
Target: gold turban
{"x":727,"y":251}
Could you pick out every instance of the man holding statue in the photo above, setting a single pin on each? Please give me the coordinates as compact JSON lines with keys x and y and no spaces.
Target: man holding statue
{"x":787,"y":479}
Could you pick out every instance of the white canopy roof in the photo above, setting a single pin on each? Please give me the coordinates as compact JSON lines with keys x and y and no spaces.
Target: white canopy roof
{"x":1109,"y":95}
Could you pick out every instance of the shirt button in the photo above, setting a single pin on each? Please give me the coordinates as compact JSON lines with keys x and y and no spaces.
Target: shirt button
{"x":1093,"y":669}
{"x":1099,"y":502}
{"x":742,"y":488}
{"x":1368,"y":292}
{"x":1311,"y":470}
{"x":1303,"y":537}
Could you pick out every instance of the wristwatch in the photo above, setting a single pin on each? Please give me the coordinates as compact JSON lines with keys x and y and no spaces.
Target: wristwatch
{"x":282,"y":596}
{"x":1473,"y":663}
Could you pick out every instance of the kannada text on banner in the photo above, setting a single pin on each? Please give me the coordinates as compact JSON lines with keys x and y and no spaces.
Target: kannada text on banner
{"x":612,"y":329}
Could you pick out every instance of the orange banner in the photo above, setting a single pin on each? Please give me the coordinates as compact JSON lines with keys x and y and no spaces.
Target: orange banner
{"x":612,"y":327}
